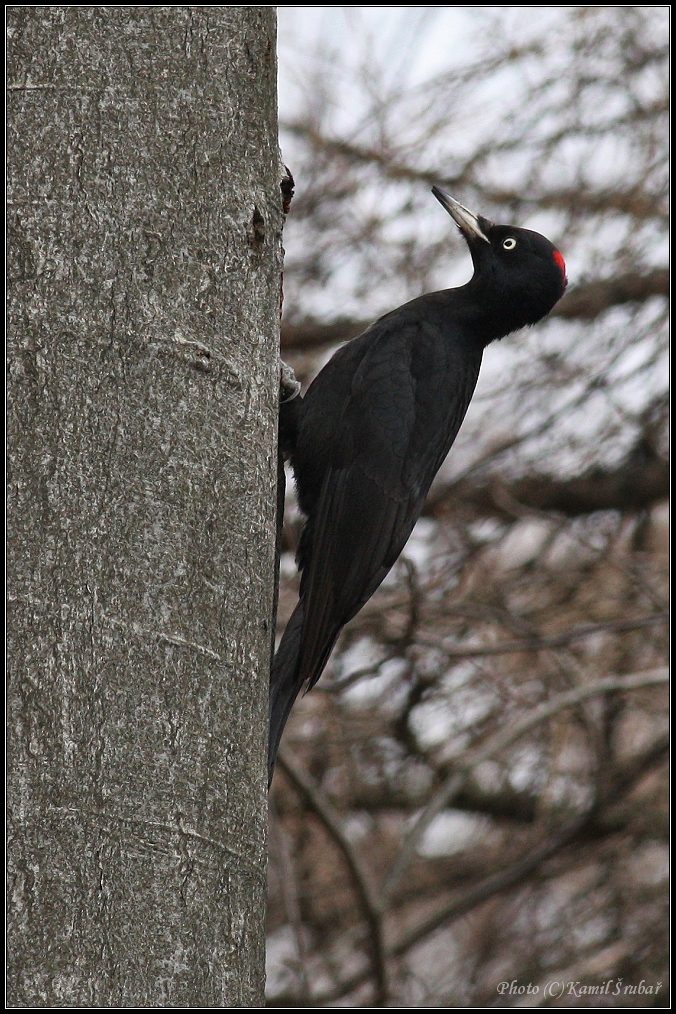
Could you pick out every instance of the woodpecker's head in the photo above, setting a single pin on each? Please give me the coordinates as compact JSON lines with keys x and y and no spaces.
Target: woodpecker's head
{"x":518,"y":274}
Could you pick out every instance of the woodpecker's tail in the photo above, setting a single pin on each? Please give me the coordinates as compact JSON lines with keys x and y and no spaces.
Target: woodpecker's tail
{"x":284,"y":685}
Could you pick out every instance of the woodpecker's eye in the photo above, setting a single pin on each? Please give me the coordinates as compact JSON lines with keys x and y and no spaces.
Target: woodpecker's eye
{"x":509,"y":243}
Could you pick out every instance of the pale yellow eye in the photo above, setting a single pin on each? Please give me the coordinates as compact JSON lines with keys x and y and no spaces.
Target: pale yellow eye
{"x":509,"y":244}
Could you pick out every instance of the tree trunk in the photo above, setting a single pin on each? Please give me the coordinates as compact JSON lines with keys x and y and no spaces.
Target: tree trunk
{"x":144,"y":294}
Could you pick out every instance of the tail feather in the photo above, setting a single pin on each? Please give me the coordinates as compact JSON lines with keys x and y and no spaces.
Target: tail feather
{"x":284,"y":683}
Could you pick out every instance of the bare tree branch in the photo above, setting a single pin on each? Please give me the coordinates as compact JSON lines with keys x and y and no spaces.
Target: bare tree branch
{"x":630,"y":201}
{"x":465,"y":765}
{"x":523,"y":867}
{"x":633,"y":484}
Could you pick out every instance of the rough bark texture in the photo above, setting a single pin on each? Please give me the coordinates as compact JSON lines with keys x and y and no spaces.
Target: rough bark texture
{"x":144,"y":293}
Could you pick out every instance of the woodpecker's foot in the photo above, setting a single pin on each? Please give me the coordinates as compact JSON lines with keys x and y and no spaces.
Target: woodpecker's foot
{"x":290,"y":410}
{"x":287,"y":185}
{"x":289,"y":387}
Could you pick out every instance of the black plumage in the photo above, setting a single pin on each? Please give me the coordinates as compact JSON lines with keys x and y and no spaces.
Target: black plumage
{"x":370,"y":434}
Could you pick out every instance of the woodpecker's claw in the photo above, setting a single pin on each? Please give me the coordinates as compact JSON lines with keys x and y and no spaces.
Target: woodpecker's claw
{"x":289,"y":387}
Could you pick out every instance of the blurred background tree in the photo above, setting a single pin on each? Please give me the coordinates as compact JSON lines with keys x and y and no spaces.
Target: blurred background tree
{"x":476,"y":791}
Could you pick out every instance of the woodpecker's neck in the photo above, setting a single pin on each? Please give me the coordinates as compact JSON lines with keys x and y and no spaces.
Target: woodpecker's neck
{"x":481,"y":313}
{"x":489,"y":313}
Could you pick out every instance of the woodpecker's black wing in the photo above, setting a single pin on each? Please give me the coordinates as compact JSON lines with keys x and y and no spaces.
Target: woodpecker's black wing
{"x":406,"y":401}
{"x":374,"y":427}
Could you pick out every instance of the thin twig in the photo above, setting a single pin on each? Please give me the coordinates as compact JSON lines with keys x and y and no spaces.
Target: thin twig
{"x":360,"y":876}
{"x":289,"y":891}
{"x":546,"y":641}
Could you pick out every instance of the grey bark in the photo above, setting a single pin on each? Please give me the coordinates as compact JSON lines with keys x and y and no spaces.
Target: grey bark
{"x":145,"y":226}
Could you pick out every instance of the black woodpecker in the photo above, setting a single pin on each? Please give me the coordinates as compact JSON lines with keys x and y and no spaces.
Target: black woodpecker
{"x":375,"y":425}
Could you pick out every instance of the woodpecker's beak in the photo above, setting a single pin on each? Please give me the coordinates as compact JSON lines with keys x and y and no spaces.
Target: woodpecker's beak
{"x":469,"y":224}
